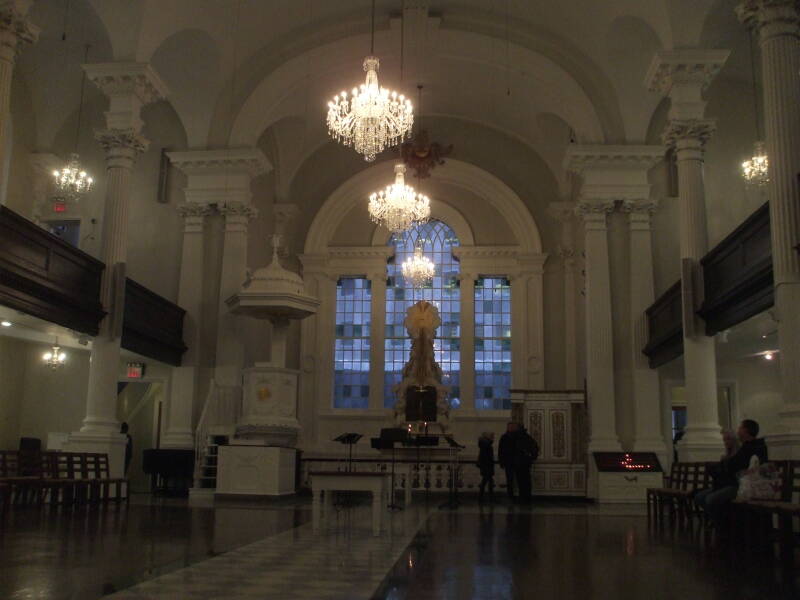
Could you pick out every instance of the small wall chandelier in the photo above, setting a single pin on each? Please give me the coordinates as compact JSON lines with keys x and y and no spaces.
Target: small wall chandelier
{"x":399,"y":207}
{"x":72,"y":181}
{"x":55,"y":358}
{"x":418,"y":270}
{"x":374,"y":118}
{"x":755,"y":170}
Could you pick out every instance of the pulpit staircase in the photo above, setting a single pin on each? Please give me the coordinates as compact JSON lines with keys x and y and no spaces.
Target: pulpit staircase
{"x":216,"y":427}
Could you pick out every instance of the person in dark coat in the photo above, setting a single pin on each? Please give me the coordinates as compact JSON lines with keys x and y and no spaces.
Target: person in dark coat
{"x":724,"y":474}
{"x":505,"y":456}
{"x":486,"y":464}
{"x":526,"y":451}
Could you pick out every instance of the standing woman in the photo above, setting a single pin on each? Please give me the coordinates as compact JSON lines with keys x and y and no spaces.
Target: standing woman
{"x":486,"y":464}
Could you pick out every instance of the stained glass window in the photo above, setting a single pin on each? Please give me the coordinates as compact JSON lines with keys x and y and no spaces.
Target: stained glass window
{"x":492,"y":343}
{"x":351,"y":352}
{"x":438,"y":241}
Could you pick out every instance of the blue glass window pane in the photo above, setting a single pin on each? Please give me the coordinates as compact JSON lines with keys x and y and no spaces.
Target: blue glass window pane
{"x":352,"y":348}
{"x":492,"y":343}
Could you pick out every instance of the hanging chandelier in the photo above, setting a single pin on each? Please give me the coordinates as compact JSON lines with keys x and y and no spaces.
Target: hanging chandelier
{"x":372,"y":118}
{"x":756,"y":169}
{"x":72,"y":181}
{"x":399,"y":207}
{"x":418,"y":269}
{"x":55,"y":358}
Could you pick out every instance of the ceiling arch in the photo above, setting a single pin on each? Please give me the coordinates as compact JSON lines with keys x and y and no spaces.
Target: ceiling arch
{"x":455,"y":173}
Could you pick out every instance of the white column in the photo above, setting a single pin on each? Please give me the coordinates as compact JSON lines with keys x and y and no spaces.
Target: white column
{"x":223,"y":178}
{"x":530,"y":288}
{"x":778,"y":26}
{"x":313,"y":269}
{"x":467,"y":341}
{"x":230,"y":347}
{"x":15,"y":31}
{"x":179,"y":426}
{"x":376,"y":337}
{"x":599,"y":328}
{"x":683,"y":75}
{"x":129,"y":86}
{"x":564,"y":212}
{"x":648,"y":435}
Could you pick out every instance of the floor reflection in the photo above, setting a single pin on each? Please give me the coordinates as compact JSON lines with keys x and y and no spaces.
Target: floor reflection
{"x":558,"y":551}
{"x":87,"y":553}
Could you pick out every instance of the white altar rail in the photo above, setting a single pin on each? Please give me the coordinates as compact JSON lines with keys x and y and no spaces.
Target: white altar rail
{"x":558,"y":422}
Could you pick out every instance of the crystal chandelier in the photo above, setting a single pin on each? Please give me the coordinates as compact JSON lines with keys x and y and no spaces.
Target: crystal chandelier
{"x":399,"y":207}
{"x":372,"y":118}
{"x":756,"y":170}
{"x":418,"y":269}
{"x":55,"y":358}
{"x":72,"y":181}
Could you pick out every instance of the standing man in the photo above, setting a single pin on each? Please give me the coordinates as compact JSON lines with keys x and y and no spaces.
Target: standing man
{"x":505,"y":456}
{"x":526,"y":451}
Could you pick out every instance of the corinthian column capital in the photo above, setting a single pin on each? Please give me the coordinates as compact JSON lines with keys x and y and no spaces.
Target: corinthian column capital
{"x":688,"y":133}
{"x":770,"y":18}
{"x":122,"y":146}
{"x":16,"y":30}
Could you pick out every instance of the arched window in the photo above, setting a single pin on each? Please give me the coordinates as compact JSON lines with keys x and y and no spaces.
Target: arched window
{"x":438,"y":241}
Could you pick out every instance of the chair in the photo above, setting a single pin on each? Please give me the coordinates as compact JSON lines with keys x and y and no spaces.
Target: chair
{"x":97,"y":470}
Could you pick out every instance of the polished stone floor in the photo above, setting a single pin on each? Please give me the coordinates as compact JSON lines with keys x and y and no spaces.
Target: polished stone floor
{"x":249,"y":550}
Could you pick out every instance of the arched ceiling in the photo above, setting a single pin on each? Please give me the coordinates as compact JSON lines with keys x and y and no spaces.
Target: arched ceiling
{"x":236,"y":68}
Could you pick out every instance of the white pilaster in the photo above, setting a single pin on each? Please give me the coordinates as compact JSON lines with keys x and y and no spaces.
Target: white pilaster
{"x":777,"y":23}
{"x":15,"y":32}
{"x":564,"y":213}
{"x":683,"y":75}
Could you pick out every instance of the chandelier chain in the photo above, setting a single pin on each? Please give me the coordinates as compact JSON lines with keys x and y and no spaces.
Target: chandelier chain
{"x":80,"y":104}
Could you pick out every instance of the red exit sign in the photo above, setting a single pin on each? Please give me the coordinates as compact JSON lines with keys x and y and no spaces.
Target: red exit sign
{"x":135,"y":370}
{"x":59,"y":206}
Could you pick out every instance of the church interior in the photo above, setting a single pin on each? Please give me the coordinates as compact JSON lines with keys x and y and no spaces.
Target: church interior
{"x":399,"y":299}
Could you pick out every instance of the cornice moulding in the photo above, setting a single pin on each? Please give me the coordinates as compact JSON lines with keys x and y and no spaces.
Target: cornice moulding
{"x":120,"y":78}
{"x":250,"y":161}
{"x":691,"y":65}
{"x":580,"y":158}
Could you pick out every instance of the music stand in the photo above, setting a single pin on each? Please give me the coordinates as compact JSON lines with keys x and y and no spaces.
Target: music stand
{"x":350,"y":439}
{"x":388,"y":438}
{"x":452,"y":500}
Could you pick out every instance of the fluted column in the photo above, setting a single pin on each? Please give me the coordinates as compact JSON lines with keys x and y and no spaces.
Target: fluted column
{"x":15,"y":32}
{"x":777,"y":24}
{"x":179,"y":426}
{"x":377,"y":329}
{"x":682,"y":75}
{"x":702,"y":440}
{"x":121,"y":148}
{"x":230,"y":348}
{"x":648,"y":436}
{"x":467,"y":340}
{"x":599,"y":327}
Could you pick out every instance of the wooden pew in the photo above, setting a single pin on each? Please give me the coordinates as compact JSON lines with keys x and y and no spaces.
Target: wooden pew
{"x":677,"y":495}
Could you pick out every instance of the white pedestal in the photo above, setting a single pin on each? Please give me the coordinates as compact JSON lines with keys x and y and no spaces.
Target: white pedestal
{"x":269,"y":405}
{"x":256,"y":470}
{"x":626,"y":487}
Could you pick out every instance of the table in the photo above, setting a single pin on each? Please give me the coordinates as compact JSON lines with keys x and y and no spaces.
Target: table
{"x":338,"y":481}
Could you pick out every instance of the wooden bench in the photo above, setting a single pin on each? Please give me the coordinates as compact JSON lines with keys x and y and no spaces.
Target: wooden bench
{"x":60,"y":478}
{"x":684,"y":480}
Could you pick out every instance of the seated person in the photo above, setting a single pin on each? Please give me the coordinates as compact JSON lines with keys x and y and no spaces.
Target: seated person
{"x":724,"y":474}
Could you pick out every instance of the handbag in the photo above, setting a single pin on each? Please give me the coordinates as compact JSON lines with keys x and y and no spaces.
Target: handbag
{"x":759,"y":482}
